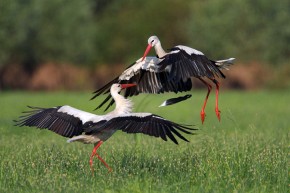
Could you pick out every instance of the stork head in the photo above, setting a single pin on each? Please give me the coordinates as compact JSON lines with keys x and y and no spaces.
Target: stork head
{"x":152,"y":41}
{"x":119,"y":87}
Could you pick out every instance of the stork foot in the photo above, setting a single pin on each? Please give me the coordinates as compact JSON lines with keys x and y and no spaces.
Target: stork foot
{"x":218,"y":114}
{"x":202,"y":116}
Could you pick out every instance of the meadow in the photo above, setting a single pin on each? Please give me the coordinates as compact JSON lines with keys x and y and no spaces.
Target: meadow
{"x":245,"y":152}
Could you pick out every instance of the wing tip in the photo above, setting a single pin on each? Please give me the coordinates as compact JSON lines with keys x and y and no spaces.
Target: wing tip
{"x":163,"y":104}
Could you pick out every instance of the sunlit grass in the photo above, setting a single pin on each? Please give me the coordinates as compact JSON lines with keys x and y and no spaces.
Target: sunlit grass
{"x":245,"y":152}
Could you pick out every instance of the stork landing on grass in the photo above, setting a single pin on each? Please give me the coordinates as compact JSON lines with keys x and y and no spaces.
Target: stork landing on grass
{"x":95,"y":129}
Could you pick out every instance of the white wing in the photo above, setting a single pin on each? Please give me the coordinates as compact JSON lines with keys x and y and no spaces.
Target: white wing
{"x":148,"y":64}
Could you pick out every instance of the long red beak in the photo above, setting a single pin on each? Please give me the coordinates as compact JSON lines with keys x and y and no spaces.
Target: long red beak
{"x":146,"y":51}
{"x":127,"y":85}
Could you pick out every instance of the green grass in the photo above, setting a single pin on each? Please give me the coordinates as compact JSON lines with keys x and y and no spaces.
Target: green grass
{"x":245,"y":152}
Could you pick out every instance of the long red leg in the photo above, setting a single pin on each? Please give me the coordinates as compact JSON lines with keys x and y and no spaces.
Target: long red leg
{"x":103,"y":161}
{"x":202,"y":113}
{"x":217,"y":111}
{"x":94,"y":153}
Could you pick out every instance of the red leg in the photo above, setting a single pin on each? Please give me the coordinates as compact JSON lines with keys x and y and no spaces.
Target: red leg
{"x":217,"y":111}
{"x":202,"y":113}
{"x":94,"y":153}
{"x":110,"y":169}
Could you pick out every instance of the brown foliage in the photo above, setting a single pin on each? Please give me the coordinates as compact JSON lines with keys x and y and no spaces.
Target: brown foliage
{"x":13,"y":77}
{"x":246,"y":76}
{"x":52,"y":76}
{"x":49,"y":76}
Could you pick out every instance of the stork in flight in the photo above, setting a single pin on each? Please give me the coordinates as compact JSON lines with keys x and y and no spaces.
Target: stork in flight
{"x":149,"y":80}
{"x":183,"y":62}
{"x":95,"y":129}
{"x":157,"y":75}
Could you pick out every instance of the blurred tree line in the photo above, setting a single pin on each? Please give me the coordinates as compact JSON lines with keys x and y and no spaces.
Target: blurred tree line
{"x":91,"y":32}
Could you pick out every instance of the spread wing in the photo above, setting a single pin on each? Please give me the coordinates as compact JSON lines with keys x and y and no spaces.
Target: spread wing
{"x":63,"y":120}
{"x":148,"y":79}
{"x":186,"y":62}
{"x":145,"y":123}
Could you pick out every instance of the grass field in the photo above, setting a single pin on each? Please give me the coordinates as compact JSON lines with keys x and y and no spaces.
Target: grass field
{"x":245,"y":152}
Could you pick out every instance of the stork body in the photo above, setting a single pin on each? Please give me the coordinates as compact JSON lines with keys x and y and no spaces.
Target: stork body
{"x":89,"y":128}
{"x":183,"y":62}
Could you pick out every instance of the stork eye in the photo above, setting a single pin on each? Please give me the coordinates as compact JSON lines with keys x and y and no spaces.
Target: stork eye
{"x":152,"y":41}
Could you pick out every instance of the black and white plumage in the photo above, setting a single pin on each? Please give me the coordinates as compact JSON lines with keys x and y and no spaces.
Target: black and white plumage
{"x":86,"y":127}
{"x":172,"y":101}
{"x":149,"y":79}
{"x":183,"y":62}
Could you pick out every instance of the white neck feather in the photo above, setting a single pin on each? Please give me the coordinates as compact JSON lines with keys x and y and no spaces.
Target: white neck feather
{"x":123,"y":105}
{"x":159,"y":50}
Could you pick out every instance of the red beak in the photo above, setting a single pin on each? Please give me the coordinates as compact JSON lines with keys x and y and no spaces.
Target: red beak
{"x":127,"y":85}
{"x":146,"y":51}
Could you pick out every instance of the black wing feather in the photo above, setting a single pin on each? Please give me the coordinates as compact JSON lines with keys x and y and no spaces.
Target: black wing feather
{"x":169,"y":134}
{"x":105,"y":88}
{"x":184,"y":65}
{"x":49,"y":118}
{"x":150,"y":124}
{"x":172,"y":101}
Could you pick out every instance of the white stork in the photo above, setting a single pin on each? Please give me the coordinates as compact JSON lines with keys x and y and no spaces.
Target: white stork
{"x":145,"y":73}
{"x":90,"y":128}
{"x":183,"y":62}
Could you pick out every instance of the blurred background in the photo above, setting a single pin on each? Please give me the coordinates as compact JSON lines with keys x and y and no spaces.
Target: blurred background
{"x":79,"y":45}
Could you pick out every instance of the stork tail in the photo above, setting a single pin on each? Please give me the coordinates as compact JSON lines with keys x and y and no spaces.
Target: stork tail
{"x":224,"y":64}
{"x":83,"y":139}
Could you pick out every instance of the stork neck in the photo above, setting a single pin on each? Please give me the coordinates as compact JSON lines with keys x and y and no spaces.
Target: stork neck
{"x":123,"y":105}
{"x":159,"y":50}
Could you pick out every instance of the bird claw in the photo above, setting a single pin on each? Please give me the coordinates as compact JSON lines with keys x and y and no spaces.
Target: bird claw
{"x":202,"y":116}
{"x":217,"y":112}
